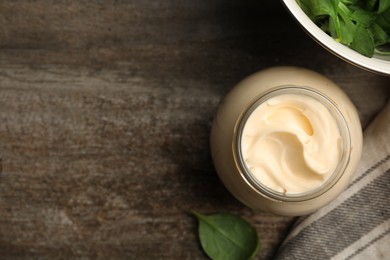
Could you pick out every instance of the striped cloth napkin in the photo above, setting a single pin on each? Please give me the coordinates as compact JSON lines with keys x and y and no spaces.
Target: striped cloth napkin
{"x":357,"y":224}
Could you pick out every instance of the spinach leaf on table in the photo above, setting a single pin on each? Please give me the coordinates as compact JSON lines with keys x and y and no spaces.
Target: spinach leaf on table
{"x":227,"y":237}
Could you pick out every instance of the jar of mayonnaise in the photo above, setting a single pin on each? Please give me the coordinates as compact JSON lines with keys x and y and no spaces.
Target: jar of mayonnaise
{"x":286,"y":140}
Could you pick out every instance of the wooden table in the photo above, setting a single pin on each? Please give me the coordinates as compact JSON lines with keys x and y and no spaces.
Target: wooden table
{"x":106,"y":109}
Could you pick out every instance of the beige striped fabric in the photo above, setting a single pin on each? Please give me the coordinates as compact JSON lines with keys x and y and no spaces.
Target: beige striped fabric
{"x":357,"y":224}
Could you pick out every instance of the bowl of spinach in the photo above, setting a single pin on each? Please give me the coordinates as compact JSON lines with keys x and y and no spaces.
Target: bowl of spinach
{"x":357,"y":31}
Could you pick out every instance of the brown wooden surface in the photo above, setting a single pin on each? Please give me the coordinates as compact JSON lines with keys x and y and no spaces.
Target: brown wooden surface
{"x":105,"y":110}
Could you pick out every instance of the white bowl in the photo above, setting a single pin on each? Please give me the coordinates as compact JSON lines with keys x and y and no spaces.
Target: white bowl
{"x":378,"y":63}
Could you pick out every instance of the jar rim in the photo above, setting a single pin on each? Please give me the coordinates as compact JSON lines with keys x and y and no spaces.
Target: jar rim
{"x":342,"y":126}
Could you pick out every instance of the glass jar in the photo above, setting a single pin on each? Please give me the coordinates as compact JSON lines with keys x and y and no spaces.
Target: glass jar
{"x":254,"y":188}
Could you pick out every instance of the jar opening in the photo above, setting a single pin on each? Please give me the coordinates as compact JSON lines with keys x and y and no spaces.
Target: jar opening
{"x":282,"y":149}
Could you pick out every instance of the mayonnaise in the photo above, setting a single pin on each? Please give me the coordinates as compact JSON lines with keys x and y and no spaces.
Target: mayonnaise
{"x":286,"y":140}
{"x":291,"y":143}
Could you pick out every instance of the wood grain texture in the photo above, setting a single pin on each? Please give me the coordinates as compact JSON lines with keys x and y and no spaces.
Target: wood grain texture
{"x":105,"y":110}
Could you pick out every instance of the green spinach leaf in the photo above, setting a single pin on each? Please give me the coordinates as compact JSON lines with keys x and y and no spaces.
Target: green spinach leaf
{"x":384,"y":20}
{"x":228,"y":237}
{"x":363,"y":42}
{"x":383,"y":6}
{"x":378,"y":35}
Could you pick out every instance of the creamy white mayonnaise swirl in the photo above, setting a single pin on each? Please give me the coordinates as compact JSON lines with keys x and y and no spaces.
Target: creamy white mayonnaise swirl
{"x":291,"y":143}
